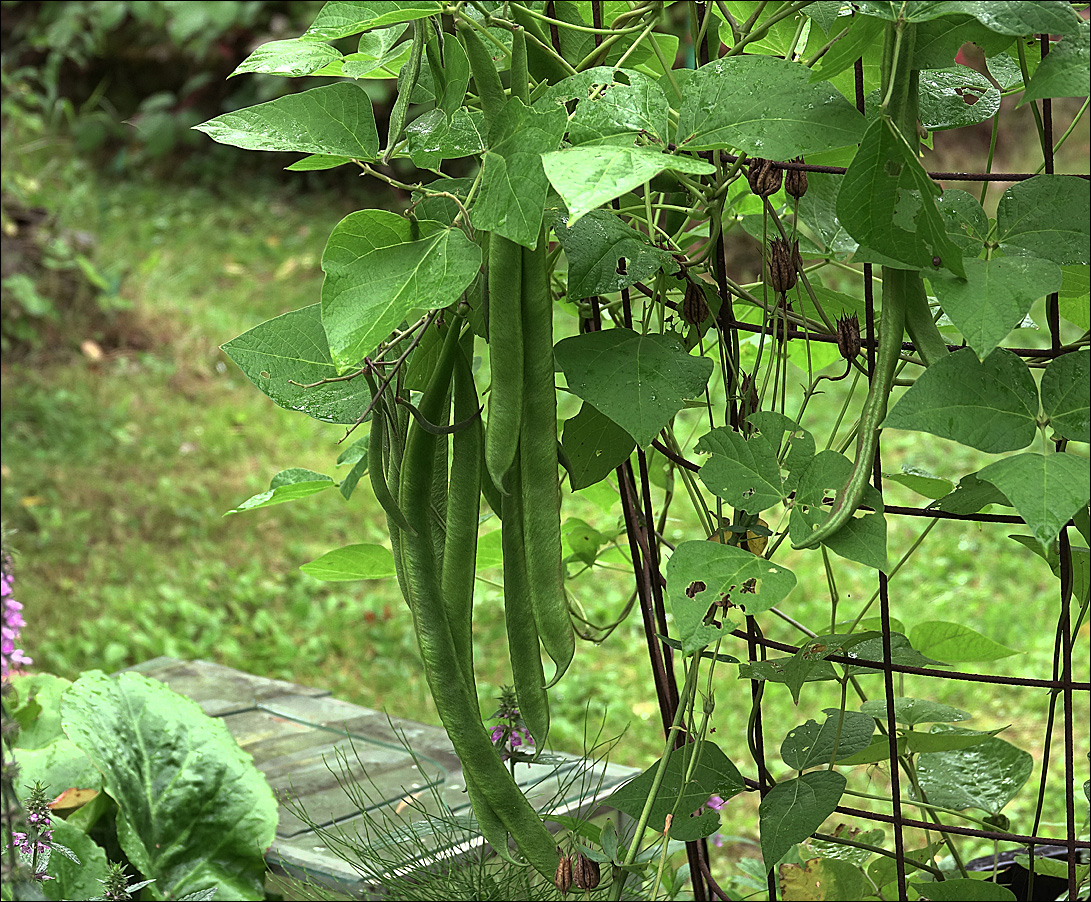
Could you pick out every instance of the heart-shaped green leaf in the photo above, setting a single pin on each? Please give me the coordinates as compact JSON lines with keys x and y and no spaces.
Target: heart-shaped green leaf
{"x":1066,"y":387}
{"x":794,"y":809}
{"x":638,"y":381}
{"x":994,"y":297}
{"x":1046,"y":217}
{"x":989,"y":404}
{"x":595,"y":445}
{"x":381,"y":268}
{"x":352,"y":562}
{"x":1046,"y":489}
{"x":334,"y":119}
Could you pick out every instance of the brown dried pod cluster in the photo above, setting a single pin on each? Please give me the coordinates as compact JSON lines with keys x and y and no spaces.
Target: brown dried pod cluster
{"x":764,"y":177}
{"x":563,"y":878}
{"x":795,"y":181}
{"x":784,"y":264}
{"x":585,"y":872}
{"x":848,"y":336}
{"x":694,"y":306}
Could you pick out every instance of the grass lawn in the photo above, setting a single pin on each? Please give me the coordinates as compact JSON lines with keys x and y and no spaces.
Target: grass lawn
{"x":117,"y":473}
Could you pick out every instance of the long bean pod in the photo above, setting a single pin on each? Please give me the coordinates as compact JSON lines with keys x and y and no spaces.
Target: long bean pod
{"x":541,"y":489}
{"x":506,"y":353}
{"x":524,"y":647}
{"x":497,"y":796}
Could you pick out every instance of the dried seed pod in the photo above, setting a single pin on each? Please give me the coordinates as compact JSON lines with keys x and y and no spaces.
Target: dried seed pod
{"x":694,"y":306}
{"x":848,"y":336}
{"x":784,"y":263}
{"x":764,"y":177}
{"x":748,"y":398}
{"x":563,"y":878}
{"x":585,"y":872}
{"x":723,"y":315}
{"x":795,"y":181}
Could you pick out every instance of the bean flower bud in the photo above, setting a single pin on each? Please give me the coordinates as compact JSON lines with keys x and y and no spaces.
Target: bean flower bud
{"x":784,"y":263}
{"x":848,"y":336}
{"x":764,"y":177}
{"x":694,"y":306}
{"x":563,"y":878}
{"x":795,"y":181}
{"x":585,"y":872}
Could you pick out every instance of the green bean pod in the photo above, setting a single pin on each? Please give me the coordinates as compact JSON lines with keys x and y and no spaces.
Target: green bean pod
{"x":490,"y":90}
{"x":377,"y":448}
{"x":463,"y":510}
{"x":524,"y":648}
{"x":544,"y":64}
{"x":454,"y":697}
{"x":541,"y":489}
{"x":520,"y":76}
{"x":891,"y":328}
{"x":507,"y":357}
{"x":923,"y":331}
{"x":407,"y":81}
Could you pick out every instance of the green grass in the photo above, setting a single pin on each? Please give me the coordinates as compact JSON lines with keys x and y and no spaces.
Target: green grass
{"x":117,"y":473}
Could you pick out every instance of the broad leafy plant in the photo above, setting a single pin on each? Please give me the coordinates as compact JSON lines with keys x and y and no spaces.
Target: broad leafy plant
{"x":569,"y":173}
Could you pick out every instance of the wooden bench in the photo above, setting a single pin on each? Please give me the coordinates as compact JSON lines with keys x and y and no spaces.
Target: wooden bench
{"x":306,"y":742}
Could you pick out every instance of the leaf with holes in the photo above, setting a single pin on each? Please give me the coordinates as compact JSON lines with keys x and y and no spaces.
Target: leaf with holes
{"x":710,"y":583}
{"x":743,"y":472}
{"x":605,"y":255}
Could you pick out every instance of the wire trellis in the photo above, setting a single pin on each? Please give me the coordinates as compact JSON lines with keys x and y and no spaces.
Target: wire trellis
{"x":643,"y":538}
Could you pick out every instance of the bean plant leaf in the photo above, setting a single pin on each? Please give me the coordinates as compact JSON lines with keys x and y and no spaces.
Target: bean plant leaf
{"x":605,"y":255}
{"x":193,"y":810}
{"x":288,"y":485}
{"x":435,"y":137}
{"x":863,"y":32}
{"x":901,"y":652}
{"x":994,"y":297}
{"x":887,"y":202}
{"x":954,"y":97}
{"x":1046,"y":489}
{"x":1046,"y":216}
{"x":926,"y":484}
{"x":942,"y":739}
{"x":513,"y":183}
{"x":588,"y":177}
{"x":352,"y":562}
{"x":964,"y":889}
{"x":1010,"y":17}
{"x":1075,"y":295}
{"x":335,"y":119}
{"x":821,"y":879}
{"x":638,"y":381}
{"x":714,"y":775}
{"x":794,"y":809}
{"x":743,"y":472}
{"x":939,"y":40}
{"x":985,"y":776}
{"x":318,"y":162}
{"x":952,"y":642}
{"x":377,"y":56}
{"x":595,"y":445}
{"x":913,"y":711}
{"x":1066,"y":387}
{"x":766,"y":107}
{"x":1065,"y":71}
{"x":989,"y":404}
{"x":611,"y":104}
{"x":812,"y":745}
{"x":284,"y":354}
{"x":863,"y":538}
{"x":340,"y":18}
{"x":970,"y":496}
{"x":709,"y":583}
{"x":381,"y":268}
{"x":293,"y":58}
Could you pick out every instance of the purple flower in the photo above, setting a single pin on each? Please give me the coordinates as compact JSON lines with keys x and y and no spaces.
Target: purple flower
{"x":11,"y":657}
{"x":715,"y":803}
